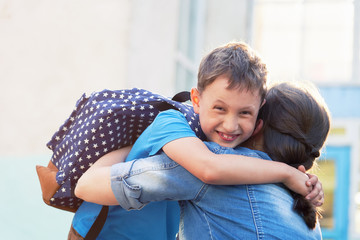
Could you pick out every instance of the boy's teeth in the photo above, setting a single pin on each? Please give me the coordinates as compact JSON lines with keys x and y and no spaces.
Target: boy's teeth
{"x":227,"y":137}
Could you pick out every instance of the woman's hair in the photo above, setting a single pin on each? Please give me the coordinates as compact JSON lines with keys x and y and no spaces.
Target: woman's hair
{"x":296,"y":125}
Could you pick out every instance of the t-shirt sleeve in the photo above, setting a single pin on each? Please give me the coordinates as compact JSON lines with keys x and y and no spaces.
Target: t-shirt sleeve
{"x":168,"y":126}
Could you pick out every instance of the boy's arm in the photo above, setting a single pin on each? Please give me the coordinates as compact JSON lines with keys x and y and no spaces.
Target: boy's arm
{"x":96,"y":180}
{"x":227,"y":169}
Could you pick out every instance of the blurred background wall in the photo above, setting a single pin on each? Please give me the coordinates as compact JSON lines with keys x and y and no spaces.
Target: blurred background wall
{"x":53,"y":51}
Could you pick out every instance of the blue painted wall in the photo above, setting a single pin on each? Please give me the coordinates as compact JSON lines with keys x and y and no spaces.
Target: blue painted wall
{"x":343,"y":101}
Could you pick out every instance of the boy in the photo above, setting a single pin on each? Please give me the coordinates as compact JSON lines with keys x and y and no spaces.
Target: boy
{"x":231,"y":90}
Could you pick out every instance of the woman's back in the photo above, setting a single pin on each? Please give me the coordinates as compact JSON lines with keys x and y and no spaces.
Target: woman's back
{"x":243,"y":211}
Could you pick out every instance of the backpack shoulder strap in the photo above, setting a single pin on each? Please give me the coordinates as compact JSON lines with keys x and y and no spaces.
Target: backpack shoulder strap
{"x":164,"y":105}
{"x":182,"y":96}
{"x":100,"y":220}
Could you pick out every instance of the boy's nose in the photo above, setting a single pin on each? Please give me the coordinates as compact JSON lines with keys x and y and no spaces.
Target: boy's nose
{"x":231,"y":124}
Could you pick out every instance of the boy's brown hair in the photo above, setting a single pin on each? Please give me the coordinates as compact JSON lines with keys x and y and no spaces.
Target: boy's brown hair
{"x":241,"y":64}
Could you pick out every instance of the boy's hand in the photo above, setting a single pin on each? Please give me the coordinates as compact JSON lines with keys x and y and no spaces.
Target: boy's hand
{"x":296,"y":181}
{"x":316,"y":196}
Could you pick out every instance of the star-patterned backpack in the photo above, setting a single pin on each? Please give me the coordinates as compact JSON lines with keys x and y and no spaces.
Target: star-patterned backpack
{"x":99,"y":124}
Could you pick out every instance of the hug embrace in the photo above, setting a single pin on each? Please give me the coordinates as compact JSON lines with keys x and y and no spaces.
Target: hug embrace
{"x":244,"y":180}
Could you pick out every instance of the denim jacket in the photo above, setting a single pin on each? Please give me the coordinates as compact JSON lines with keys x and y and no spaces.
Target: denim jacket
{"x":211,"y":211}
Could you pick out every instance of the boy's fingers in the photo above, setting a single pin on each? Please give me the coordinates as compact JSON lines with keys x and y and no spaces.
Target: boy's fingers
{"x":313,"y":194}
{"x":318,"y":200}
{"x":313,"y":181}
{"x":316,"y":197}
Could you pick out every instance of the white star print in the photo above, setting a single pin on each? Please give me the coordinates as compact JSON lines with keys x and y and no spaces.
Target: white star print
{"x":91,"y":133}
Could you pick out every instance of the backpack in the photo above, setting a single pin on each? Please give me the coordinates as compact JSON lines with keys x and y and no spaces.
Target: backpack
{"x":103,"y":122}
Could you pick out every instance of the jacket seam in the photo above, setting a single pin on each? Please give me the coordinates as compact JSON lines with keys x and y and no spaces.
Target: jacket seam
{"x":255,"y":213}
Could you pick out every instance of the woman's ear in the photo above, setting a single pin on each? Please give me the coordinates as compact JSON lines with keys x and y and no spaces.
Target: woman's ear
{"x":263,"y":103}
{"x":258,"y":126}
{"x":195,"y":99}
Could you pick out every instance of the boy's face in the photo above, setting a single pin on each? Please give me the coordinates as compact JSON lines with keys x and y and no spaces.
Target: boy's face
{"x":227,"y":116}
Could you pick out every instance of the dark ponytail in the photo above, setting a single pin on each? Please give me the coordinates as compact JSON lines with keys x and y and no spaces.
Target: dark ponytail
{"x":306,"y":210}
{"x":296,"y":125}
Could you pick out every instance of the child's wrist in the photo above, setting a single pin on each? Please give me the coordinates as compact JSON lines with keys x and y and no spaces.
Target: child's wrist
{"x":288,"y":174}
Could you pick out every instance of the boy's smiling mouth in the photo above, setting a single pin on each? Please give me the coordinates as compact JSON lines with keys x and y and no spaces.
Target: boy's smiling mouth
{"x":228,"y":137}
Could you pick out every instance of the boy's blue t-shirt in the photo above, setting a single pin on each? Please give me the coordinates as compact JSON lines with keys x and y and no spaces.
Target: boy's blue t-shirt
{"x":157,"y":220}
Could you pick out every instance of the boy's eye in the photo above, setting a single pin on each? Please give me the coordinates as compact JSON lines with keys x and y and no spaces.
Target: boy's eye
{"x":219,"y":108}
{"x":245,"y":113}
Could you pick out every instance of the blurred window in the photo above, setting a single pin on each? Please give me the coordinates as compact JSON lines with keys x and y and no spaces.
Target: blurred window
{"x":307,"y":40}
{"x":191,"y":17}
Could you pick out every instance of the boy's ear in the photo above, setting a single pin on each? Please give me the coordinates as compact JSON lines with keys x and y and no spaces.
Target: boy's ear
{"x":195,"y":99}
{"x":258,"y":126}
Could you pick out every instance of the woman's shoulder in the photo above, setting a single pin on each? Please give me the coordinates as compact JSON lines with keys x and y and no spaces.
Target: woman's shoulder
{"x":252,"y":153}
